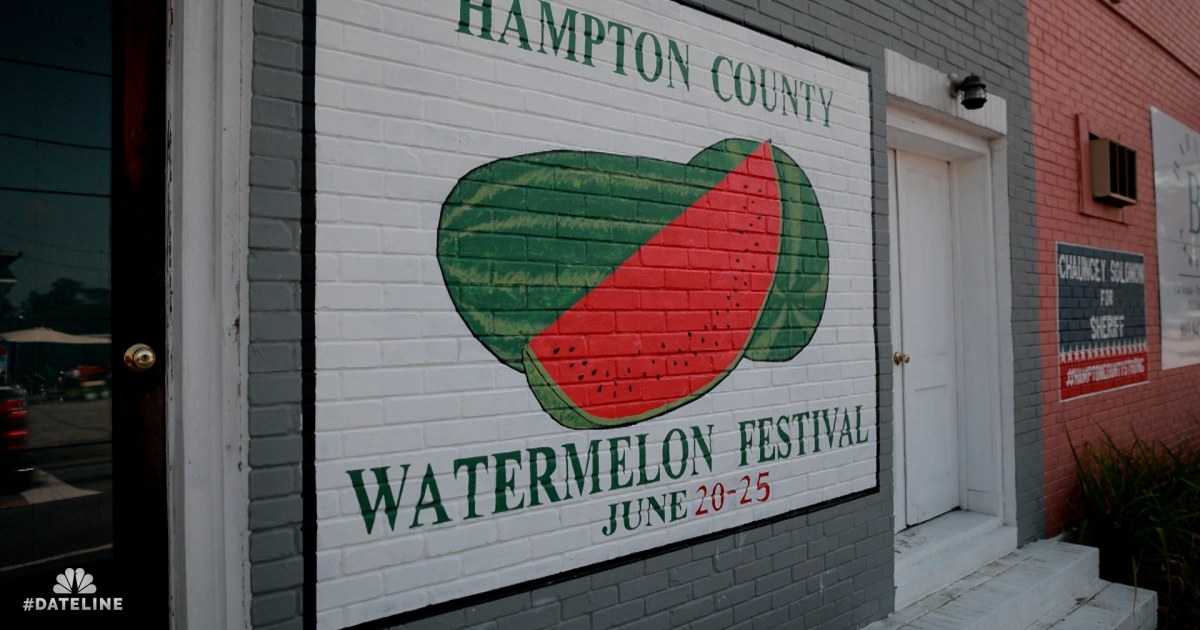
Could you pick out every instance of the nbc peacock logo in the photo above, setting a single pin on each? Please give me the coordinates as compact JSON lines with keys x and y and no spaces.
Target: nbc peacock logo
{"x":74,"y":582}
{"x":70,"y":587}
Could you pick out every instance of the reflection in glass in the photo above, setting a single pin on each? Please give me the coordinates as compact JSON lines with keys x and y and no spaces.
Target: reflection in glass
{"x":55,"y":281}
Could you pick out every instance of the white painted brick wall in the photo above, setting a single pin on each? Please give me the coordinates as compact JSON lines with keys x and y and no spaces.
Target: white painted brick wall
{"x":405,"y":107}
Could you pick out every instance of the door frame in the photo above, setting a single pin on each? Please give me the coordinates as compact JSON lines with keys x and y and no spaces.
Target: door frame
{"x":207,"y":200}
{"x":979,"y":209}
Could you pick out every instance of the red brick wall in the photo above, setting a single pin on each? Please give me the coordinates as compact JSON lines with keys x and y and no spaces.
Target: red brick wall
{"x":1110,"y":65}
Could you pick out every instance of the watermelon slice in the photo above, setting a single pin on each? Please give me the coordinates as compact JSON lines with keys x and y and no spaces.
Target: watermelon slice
{"x":675,"y":318}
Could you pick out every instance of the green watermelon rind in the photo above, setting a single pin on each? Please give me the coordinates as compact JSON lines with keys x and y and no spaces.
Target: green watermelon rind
{"x":505,"y":302}
{"x":796,"y":305}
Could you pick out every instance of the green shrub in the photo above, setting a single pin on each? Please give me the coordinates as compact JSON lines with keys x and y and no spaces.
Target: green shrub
{"x":1141,"y":507}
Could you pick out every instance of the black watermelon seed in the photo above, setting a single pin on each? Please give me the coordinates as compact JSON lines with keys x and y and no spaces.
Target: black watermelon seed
{"x":571,"y":364}
{"x":663,"y":344}
{"x":658,"y":377}
{"x":631,"y":388}
{"x":628,"y":370}
{"x":556,"y":350}
{"x":675,"y":362}
{"x":702,"y":340}
{"x":593,"y":372}
{"x":653,"y":361}
{"x":585,"y":362}
{"x":614,"y":394}
{"x":581,"y":377}
{"x":689,"y":333}
{"x":571,"y":349}
{"x":756,"y":243}
{"x":600,"y":388}
{"x":685,"y":362}
{"x":605,"y":373}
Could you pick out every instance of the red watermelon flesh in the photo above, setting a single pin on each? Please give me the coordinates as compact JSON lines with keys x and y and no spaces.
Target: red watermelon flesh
{"x":674,"y":319}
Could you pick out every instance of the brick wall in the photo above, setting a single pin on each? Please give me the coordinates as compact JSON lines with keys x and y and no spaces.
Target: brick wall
{"x":831,"y":568}
{"x":1087,"y":59}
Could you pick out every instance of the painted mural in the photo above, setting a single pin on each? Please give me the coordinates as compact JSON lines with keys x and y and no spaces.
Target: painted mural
{"x":701,"y":265}
{"x":593,"y":278}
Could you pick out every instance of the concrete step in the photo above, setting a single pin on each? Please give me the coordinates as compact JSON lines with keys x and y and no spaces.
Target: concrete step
{"x":1112,"y":607}
{"x":933,"y":555}
{"x":1015,"y":591}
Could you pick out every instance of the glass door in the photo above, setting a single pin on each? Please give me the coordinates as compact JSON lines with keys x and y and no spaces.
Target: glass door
{"x":83,"y":508}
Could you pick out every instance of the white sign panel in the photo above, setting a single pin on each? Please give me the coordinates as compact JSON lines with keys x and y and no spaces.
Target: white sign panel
{"x":1177,"y":193}
{"x":592,"y":279}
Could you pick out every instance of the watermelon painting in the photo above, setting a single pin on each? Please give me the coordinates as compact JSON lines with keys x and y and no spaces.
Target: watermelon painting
{"x":624,"y":287}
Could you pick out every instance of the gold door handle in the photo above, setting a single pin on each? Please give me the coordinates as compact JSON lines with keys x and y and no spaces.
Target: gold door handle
{"x":900,"y":357}
{"x":140,"y":357}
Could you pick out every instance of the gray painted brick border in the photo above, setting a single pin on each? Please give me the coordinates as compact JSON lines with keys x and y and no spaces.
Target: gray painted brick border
{"x":831,"y":568}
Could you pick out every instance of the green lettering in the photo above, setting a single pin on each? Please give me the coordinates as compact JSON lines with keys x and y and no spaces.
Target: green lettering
{"x":737,"y":84}
{"x":639,"y":50}
{"x":845,"y":439}
{"x":581,"y":471}
{"x":858,"y":426}
{"x":642,"y":478}
{"x":539,"y":478}
{"x":764,"y":439}
{"x":681,"y":61}
{"x":702,"y":447}
{"x":464,"y":18}
{"x":677,"y":511}
{"x":826,"y":104}
{"x":808,"y":102}
{"x":556,"y":36}
{"x":799,"y":420}
{"x":744,"y":429}
{"x":816,"y":416}
{"x":514,"y":14}
{"x":617,"y":463}
{"x":792,"y":94}
{"x":471,"y":464}
{"x":774,"y":90}
{"x":429,"y":489}
{"x":622,"y":30}
{"x":716,"y":76}
{"x":785,"y":438}
{"x":505,"y":482}
{"x":666,"y":453}
{"x":652,"y":505}
{"x":593,"y":33}
{"x":383,"y":493}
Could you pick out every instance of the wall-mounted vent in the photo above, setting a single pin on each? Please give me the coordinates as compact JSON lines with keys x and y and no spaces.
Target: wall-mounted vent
{"x":1114,"y":172}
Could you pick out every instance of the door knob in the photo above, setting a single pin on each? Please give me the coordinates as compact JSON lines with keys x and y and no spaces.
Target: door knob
{"x":899,"y":358}
{"x":140,"y":357}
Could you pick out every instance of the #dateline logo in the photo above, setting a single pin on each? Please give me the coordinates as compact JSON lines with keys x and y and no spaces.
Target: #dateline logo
{"x":74,"y":583}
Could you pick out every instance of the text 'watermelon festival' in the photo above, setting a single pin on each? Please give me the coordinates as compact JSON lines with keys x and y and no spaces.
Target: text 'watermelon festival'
{"x":624,"y":287}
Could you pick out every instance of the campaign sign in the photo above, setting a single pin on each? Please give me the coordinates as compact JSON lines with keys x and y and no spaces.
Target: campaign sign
{"x":1101,"y":319}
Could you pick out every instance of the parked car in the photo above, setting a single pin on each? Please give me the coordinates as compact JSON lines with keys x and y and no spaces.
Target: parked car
{"x":15,"y":471}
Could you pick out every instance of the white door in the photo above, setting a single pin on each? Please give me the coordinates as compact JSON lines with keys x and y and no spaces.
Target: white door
{"x":925,"y":333}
